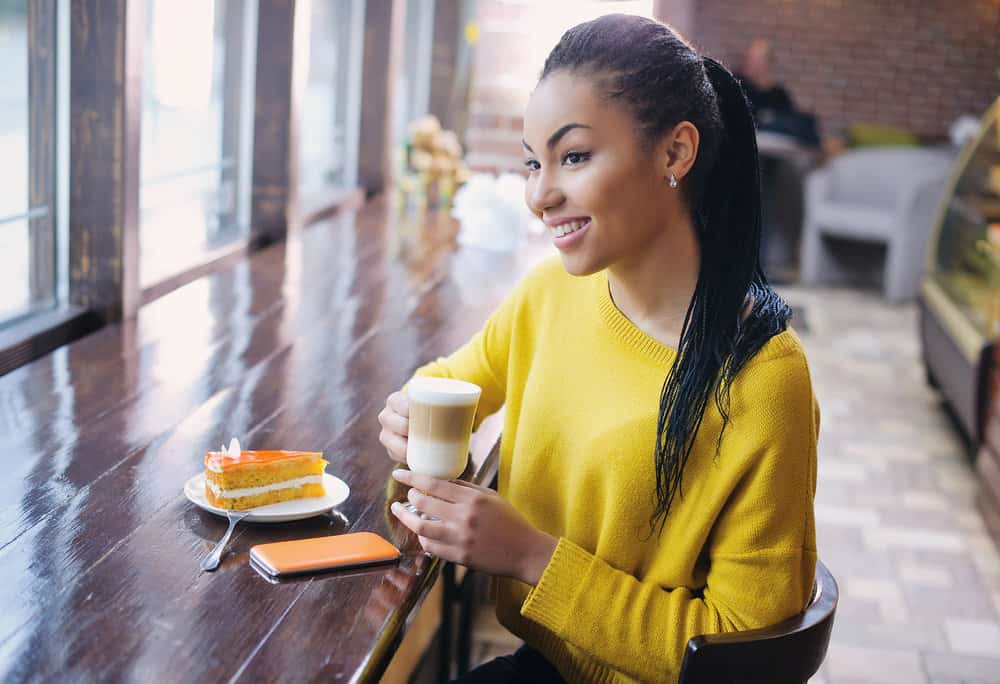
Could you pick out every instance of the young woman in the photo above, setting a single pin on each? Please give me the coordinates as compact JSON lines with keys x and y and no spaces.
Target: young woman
{"x":658,"y":462}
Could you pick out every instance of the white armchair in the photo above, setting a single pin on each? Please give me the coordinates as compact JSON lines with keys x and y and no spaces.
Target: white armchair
{"x":886,"y":195}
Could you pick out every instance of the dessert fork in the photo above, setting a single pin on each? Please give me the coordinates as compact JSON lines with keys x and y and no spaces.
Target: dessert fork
{"x":212,"y":560}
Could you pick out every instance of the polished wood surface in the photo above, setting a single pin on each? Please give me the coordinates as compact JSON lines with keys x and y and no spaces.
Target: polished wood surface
{"x":295,"y":347}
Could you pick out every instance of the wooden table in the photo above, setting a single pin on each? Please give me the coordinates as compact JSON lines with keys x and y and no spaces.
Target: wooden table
{"x":295,"y":347}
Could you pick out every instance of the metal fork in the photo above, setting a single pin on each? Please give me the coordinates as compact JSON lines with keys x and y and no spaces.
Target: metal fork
{"x":212,"y":560}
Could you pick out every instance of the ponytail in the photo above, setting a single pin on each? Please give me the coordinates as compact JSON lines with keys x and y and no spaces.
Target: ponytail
{"x":715,"y":341}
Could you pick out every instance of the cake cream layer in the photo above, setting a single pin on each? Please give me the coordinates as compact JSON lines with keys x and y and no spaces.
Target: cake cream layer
{"x":271,"y":497}
{"x":254,"y":491}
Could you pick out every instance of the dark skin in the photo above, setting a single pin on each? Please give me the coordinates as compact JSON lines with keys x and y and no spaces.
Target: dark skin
{"x":585,"y":162}
{"x":640,"y":228}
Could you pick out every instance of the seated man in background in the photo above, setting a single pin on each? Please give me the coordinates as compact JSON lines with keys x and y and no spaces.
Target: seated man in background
{"x":773,"y":108}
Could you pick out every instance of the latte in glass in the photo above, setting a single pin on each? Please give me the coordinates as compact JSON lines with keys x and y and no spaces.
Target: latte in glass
{"x":441,"y":414}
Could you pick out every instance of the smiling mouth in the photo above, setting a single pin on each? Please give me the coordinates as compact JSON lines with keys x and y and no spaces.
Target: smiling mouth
{"x":570,"y":227}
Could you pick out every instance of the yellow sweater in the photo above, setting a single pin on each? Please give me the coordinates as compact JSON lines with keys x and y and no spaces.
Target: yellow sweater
{"x":581,"y":385}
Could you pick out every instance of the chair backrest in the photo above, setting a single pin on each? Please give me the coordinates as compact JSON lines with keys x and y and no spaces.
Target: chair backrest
{"x":876,"y":176}
{"x":788,"y":652}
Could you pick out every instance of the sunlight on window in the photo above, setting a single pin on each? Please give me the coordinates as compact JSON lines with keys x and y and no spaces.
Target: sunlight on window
{"x":182,"y":45}
{"x":26,"y":244}
{"x":193,"y":132}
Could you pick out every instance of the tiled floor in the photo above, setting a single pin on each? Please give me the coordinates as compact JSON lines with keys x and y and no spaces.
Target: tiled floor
{"x":896,"y":519}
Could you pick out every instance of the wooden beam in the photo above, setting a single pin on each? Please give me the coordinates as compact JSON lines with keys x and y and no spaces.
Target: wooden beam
{"x":106,"y":59}
{"x":383,"y":51}
{"x":275,"y":108}
{"x":444,"y":59}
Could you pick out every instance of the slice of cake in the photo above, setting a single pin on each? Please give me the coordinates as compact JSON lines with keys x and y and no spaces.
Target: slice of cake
{"x":236,"y":479}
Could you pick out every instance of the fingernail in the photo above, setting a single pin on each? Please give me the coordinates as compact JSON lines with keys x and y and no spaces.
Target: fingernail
{"x":394,"y":507}
{"x":400,"y":475}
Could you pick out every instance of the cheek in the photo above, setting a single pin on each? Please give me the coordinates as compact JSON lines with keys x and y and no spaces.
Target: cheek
{"x":618,"y":194}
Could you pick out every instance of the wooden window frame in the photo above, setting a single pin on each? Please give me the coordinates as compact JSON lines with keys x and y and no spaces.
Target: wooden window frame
{"x":106,"y":46}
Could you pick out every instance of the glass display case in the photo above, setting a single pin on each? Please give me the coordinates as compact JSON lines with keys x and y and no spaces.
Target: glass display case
{"x":960,"y":298}
{"x":967,"y":263}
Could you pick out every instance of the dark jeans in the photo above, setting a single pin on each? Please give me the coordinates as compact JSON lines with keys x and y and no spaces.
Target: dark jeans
{"x":525,"y":665}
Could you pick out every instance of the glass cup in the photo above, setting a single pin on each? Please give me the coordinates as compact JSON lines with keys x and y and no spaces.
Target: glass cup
{"x":442,"y":411}
{"x":441,"y":414}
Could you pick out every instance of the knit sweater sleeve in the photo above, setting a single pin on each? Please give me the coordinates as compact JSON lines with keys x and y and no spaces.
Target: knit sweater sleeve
{"x":761,"y":553}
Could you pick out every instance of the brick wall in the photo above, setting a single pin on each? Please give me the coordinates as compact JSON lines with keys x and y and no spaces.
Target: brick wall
{"x":914,"y":63}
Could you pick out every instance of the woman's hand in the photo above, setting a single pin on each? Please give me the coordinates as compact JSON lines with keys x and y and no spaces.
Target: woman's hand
{"x":395,"y":421}
{"x":474,"y":527}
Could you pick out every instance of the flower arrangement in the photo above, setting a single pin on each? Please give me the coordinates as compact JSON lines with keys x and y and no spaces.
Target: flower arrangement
{"x":431,"y":162}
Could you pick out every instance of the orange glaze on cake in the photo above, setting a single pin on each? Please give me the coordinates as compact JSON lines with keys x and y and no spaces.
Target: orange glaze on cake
{"x":222,"y":461}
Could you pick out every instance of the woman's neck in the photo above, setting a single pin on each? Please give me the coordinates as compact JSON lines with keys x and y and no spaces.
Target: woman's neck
{"x":654,"y":287}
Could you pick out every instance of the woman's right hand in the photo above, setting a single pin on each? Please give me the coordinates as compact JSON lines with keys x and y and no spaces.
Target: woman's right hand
{"x":395,"y":421}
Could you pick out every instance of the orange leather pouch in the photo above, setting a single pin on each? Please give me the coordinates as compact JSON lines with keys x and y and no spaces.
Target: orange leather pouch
{"x":323,"y":553}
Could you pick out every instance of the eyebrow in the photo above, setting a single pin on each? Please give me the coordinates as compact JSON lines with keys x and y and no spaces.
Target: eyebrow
{"x":557,"y":136}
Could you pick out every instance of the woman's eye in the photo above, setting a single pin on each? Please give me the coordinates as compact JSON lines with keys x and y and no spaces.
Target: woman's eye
{"x":574,"y":158}
{"x":532,"y":165}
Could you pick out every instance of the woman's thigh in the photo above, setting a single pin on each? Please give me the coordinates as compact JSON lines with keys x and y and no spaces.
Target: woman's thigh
{"x":524,"y":665}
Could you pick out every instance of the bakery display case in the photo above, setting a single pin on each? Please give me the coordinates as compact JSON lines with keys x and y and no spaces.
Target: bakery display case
{"x":960,"y":297}
{"x":960,"y":307}
{"x":988,"y":458}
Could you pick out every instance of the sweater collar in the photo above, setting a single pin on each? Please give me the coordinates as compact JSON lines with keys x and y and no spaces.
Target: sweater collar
{"x":627,"y":331}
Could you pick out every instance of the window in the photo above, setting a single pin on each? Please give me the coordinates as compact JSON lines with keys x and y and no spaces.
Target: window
{"x":28,"y":274}
{"x":331,"y":107}
{"x":414,"y":85}
{"x":197,"y":128}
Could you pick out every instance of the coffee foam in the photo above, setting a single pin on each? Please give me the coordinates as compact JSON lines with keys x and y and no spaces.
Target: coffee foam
{"x":442,"y":391}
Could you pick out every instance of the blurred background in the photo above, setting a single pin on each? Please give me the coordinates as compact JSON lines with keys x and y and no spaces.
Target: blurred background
{"x":231,"y":123}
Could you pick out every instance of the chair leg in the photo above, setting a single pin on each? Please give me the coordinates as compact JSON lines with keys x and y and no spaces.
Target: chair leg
{"x":901,"y":279}
{"x":818,"y":263}
{"x":445,"y":631}
{"x":466,"y":613}
{"x":812,"y":256}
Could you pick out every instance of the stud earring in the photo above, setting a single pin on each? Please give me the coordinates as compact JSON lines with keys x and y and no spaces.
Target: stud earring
{"x":673,"y":180}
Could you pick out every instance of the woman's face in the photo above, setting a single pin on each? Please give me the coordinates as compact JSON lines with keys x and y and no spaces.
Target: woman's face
{"x":589,"y":175}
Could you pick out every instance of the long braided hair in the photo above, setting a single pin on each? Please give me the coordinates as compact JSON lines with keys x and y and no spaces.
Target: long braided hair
{"x":662,"y":80}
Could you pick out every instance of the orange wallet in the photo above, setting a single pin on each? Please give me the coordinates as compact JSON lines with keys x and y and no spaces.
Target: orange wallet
{"x":323,"y":553}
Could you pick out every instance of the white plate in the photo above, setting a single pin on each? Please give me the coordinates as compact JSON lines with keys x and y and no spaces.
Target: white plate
{"x":337,"y":492}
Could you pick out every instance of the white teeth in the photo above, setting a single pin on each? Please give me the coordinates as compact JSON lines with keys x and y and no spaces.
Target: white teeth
{"x":567,"y":228}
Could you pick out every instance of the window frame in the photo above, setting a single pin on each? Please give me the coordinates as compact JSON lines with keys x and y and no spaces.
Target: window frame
{"x":91,"y":156}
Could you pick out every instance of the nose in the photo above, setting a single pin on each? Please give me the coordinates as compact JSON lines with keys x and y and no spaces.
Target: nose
{"x":542,"y":195}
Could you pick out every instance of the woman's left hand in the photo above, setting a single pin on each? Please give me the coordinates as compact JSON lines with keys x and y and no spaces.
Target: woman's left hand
{"x":475,"y":527}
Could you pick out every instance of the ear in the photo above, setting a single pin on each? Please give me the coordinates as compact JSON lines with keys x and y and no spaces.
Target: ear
{"x":678,"y":150}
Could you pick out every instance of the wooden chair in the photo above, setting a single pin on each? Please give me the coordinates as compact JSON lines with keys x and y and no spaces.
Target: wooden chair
{"x":786,"y":653}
